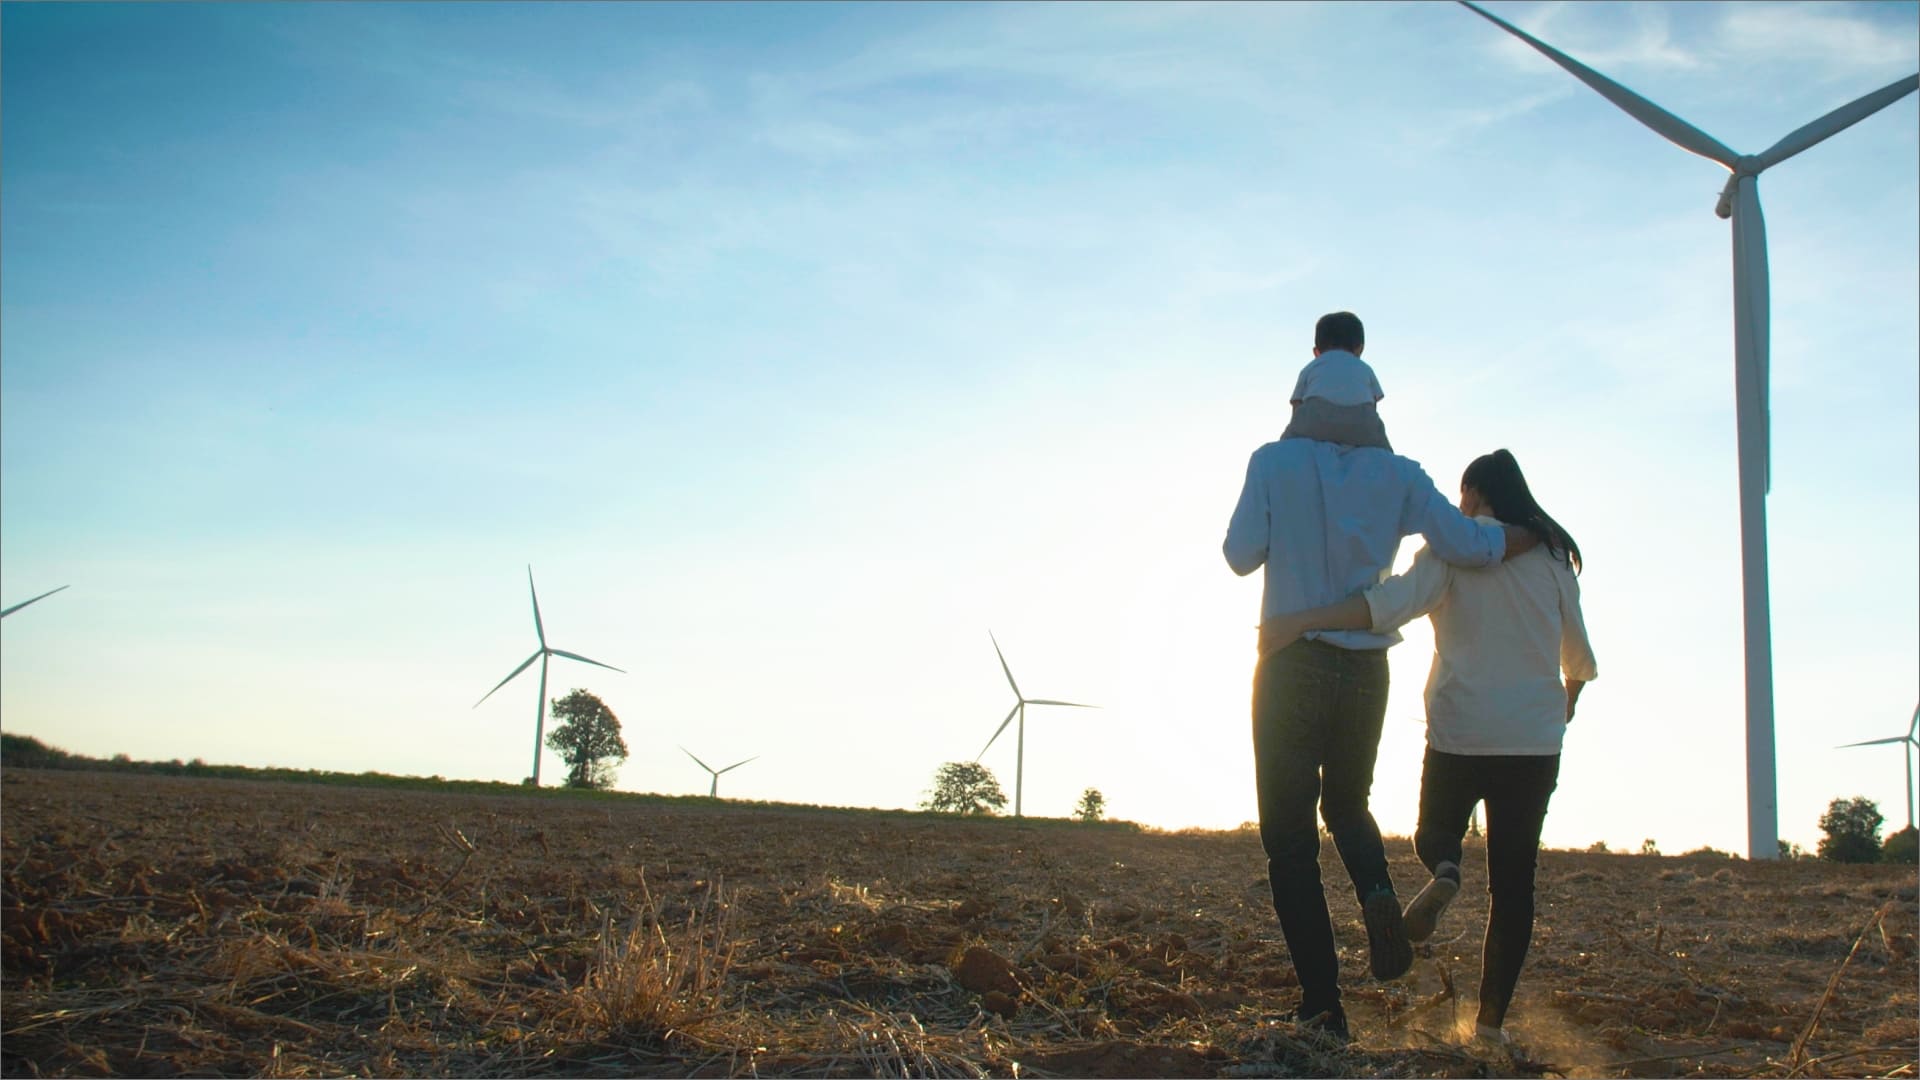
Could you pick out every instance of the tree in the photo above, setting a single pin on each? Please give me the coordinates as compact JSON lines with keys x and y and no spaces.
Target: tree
{"x":965,"y":787}
{"x":1790,"y":851}
{"x":1648,"y":847}
{"x":587,"y":739}
{"x":1853,"y":831}
{"x":1901,"y":847}
{"x":1092,"y":805}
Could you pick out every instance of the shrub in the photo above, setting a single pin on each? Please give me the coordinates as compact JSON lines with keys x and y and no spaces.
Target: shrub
{"x":1901,"y":847}
{"x":1853,"y":831}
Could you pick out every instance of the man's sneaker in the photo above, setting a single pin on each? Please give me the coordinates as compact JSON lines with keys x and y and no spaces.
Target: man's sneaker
{"x":1424,"y":913}
{"x":1387,"y":935}
{"x":1327,"y":1023}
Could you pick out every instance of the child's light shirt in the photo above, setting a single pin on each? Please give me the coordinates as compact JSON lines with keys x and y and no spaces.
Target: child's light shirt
{"x":1339,"y":377}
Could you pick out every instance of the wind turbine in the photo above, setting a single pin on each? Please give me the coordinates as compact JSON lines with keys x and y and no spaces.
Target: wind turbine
{"x":1019,"y":709}
{"x":24,"y":603}
{"x":1740,"y":202}
{"x":543,"y":654}
{"x":714,"y":791}
{"x":1909,"y":742}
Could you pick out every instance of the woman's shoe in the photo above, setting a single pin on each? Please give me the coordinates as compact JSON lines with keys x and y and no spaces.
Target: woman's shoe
{"x":1423,"y":915}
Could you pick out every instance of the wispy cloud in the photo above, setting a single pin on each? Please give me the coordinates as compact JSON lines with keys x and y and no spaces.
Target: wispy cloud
{"x":1610,"y":37}
{"x":1827,"y":40}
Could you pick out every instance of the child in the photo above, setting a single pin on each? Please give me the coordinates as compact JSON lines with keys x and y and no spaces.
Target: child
{"x":1336,"y":395}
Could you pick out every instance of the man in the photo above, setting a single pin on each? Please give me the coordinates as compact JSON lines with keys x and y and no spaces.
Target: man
{"x":1326,"y":519}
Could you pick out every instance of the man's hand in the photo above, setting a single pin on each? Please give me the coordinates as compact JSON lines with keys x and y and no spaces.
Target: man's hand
{"x":1574,"y":686}
{"x":1520,"y":540}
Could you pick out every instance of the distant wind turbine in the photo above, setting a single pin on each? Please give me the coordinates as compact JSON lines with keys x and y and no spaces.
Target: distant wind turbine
{"x":714,"y":791}
{"x":1019,"y":709}
{"x":24,"y":603}
{"x":1740,"y":202}
{"x":544,"y":654}
{"x":1910,"y":744}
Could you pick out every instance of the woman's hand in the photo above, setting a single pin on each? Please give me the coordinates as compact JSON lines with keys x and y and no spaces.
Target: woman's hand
{"x":1279,"y":632}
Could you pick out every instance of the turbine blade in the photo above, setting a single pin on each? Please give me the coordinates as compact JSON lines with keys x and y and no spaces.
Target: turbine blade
{"x":737,"y":764}
{"x":537,"y":628}
{"x":1003,"y":663}
{"x":524,"y":664}
{"x":997,"y":731}
{"x":1871,"y":742}
{"x":1669,"y":126}
{"x":584,"y":660}
{"x":1913,"y":732}
{"x":1069,"y":704}
{"x":697,"y":761}
{"x":24,"y":603}
{"x":1838,"y":121}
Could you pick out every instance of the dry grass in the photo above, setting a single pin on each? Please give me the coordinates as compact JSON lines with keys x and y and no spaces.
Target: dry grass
{"x":161,"y":926}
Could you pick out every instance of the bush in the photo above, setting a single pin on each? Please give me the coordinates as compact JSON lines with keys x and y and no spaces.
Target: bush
{"x":1092,"y":806}
{"x":1853,"y":831}
{"x":1599,"y":847}
{"x":1901,"y":847}
{"x":1790,"y":851}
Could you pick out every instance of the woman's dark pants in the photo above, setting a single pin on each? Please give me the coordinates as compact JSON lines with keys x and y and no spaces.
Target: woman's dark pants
{"x":1317,"y":712}
{"x":1516,"y":789}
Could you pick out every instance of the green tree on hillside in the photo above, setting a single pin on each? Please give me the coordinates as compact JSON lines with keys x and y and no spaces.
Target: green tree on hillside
{"x":965,"y":787}
{"x":587,"y":739}
{"x":1853,"y":831}
{"x":1901,"y":847}
{"x":1092,"y":805}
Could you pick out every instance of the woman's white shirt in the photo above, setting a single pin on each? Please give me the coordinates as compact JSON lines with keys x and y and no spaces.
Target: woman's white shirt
{"x":1502,"y":635}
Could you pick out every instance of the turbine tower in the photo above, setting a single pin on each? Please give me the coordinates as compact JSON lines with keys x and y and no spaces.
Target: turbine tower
{"x":1019,"y":709}
{"x":714,"y":791}
{"x":24,"y":603}
{"x":1910,"y":743}
{"x":1740,"y":202}
{"x":543,"y":654}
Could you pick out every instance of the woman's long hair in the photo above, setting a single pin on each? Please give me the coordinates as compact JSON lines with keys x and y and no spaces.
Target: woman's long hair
{"x":1498,"y":479}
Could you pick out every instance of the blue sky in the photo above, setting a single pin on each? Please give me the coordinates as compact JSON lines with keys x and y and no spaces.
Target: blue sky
{"x":796,"y":346}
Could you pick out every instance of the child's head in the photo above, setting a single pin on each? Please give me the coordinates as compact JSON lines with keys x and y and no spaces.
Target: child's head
{"x":1340,"y":330}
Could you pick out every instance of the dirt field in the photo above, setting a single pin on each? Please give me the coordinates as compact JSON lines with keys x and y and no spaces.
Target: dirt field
{"x":157,"y":925}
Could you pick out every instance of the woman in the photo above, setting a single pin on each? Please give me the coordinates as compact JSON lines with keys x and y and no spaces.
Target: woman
{"x":1496,"y":708}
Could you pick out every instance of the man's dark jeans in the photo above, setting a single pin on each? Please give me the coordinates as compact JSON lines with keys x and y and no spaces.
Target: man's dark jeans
{"x":1516,"y":790}
{"x":1317,"y":713}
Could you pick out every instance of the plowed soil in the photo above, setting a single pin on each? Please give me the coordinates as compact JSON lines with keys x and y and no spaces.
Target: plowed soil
{"x":154,"y":925}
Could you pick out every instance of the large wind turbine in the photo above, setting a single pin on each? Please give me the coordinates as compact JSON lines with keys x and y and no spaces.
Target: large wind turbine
{"x":714,"y":791}
{"x":1019,"y":709}
{"x":1740,"y":201}
{"x":24,"y":603}
{"x":543,"y":654}
{"x":1910,"y":743}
